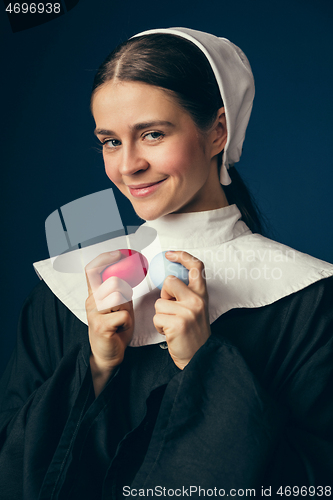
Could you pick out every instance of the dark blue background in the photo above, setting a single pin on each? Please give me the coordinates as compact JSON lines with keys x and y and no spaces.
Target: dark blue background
{"x":49,"y":154}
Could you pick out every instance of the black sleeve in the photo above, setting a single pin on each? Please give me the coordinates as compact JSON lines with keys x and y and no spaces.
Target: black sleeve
{"x":216,"y":427}
{"x":38,"y":389}
{"x":305,"y":388}
{"x":254,"y":407}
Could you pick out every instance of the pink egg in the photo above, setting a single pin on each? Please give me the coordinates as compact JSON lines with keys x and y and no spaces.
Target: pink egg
{"x":132,"y":268}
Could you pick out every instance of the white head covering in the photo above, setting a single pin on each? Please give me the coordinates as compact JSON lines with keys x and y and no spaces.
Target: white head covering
{"x":235,"y":80}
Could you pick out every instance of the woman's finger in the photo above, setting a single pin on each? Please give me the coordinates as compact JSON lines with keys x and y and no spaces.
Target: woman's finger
{"x":196,"y":269}
{"x":171,"y":307}
{"x":112,"y":285}
{"x":111,"y":303}
{"x":120,"y":320}
{"x":168,"y":324}
{"x":174,"y":289}
{"x":96,"y":267}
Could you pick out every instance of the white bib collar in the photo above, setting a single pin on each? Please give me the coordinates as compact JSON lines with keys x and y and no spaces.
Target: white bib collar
{"x":199,"y":229}
{"x":242,"y":269}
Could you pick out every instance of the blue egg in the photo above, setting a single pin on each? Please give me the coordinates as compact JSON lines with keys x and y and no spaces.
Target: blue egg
{"x":160,"y":267}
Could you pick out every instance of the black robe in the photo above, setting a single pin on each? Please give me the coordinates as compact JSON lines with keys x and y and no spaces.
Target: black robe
{"x":253,"y":409}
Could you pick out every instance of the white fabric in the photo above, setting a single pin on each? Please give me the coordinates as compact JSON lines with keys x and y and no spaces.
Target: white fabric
{"x":235,"y":80}
{"x":242,"y":269}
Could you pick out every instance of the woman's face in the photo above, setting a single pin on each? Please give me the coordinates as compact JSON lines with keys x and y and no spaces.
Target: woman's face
{"x":153,"y":151}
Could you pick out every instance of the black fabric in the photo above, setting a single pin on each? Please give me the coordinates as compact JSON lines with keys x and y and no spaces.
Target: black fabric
{"x":253,"y":408}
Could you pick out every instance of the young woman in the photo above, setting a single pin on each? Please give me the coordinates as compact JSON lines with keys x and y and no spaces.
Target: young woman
{"x":207,"y":388}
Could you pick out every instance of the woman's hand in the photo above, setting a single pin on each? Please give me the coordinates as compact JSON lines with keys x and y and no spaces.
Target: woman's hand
{"x":110,"y":318}
{"x":182,"y":311}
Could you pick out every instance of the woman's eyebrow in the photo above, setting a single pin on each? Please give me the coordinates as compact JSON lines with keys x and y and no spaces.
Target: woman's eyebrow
{"x":140,"y":126}
{"x":136,"y":127}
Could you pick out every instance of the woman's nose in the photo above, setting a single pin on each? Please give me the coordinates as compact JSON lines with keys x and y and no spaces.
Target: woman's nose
{"x":132,"y":161}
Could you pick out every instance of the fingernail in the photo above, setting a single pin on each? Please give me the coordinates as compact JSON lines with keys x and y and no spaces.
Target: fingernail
{"x":114,"y":253}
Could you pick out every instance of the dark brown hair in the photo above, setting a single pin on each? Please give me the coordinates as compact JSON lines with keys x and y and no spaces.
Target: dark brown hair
{"x":180,"y":68}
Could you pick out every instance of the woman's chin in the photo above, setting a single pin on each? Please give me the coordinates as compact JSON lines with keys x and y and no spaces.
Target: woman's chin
{"x":150,"y":213}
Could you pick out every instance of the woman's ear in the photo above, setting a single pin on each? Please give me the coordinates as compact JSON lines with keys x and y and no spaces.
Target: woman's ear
{"x":219,"y":133}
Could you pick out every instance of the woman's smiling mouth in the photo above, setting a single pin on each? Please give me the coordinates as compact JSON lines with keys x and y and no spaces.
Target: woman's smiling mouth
{"x":141,"y":190}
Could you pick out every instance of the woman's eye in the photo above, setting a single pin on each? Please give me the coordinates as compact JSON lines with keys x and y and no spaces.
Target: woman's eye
{"x":111,"y":143}
{"x":153,"y":136}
